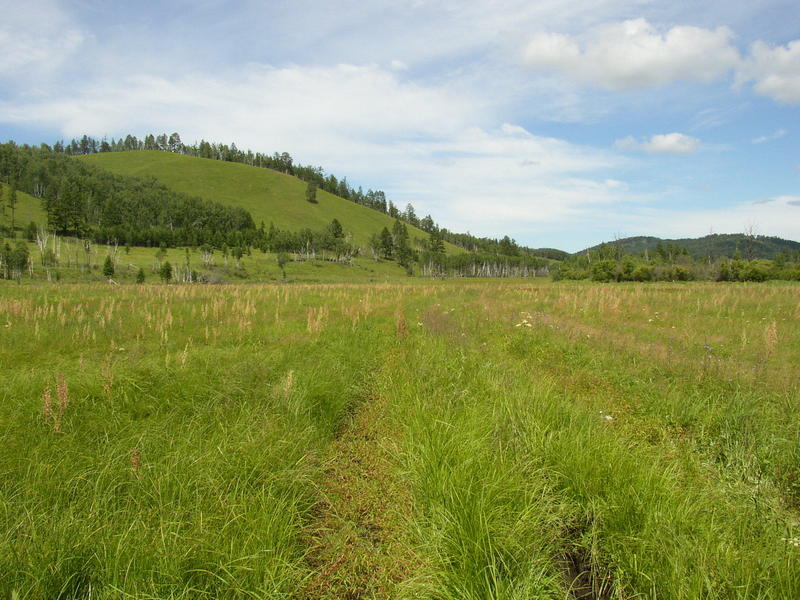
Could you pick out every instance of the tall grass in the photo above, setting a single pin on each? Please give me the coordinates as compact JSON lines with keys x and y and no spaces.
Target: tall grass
{"x":192,"y":471}
{"x":177,"y":441}
{"x":513,"y":479}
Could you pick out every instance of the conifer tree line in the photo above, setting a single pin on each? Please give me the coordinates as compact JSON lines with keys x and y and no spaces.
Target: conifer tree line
{"x":313,"y":175}
{"x":84,"y":201}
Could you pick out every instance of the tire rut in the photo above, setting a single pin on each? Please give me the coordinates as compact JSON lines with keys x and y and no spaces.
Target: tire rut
{"x":358,"y":546}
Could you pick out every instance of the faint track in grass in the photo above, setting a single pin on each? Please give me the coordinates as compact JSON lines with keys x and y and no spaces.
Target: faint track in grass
{"x":358,"y":545}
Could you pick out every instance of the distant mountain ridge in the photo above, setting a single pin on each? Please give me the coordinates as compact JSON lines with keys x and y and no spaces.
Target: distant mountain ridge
{"x":715,"y":245}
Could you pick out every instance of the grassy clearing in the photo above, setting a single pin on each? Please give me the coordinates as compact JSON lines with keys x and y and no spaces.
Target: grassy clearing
{"x":447,"y":440}
{"x":28,"y":209}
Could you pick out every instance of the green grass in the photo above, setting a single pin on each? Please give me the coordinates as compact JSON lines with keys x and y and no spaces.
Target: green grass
{"x":28,"y":209}
{"x":268,"y":195}
{"x":75,"y":265}
{"x":443,"y":440}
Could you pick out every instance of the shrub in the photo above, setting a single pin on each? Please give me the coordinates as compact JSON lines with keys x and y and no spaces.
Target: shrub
{"x":642,"y":273}
{"x":604,"y":270}
{"x":680,"y":273}
{"x":165,"y":272}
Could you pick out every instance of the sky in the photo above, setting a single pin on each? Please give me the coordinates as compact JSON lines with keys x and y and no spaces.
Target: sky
{"x":560,"y":123}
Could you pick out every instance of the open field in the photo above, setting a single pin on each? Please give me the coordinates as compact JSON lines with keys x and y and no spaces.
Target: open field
{"x":515,"y":439}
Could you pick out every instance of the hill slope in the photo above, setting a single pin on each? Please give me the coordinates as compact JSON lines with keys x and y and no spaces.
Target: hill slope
{"x":268,"y":195}
{"x":28,"y":209}
{"x":715,"y":245}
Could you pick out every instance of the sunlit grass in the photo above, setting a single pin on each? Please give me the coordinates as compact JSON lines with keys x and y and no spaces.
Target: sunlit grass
{"x":268,"y":195}
{"x":176,"y":441}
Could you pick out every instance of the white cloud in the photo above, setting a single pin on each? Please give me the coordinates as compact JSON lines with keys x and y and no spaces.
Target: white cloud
{"x":634,"y":54}
{"x":667,"y":143}
{"x":35,"y":36}
{"x":433,"y":146}
{"x":779,"y":216}
{"x":423,"y":119}
{"x":291,"y":107}
{"x":775,"y":70}
{"x":776,"y":135}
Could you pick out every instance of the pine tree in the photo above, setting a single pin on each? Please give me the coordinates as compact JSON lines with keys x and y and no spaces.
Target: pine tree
{"x":311,"y":193}
{"x":335,"y":229}
{"x":435,"y":243}
{"x":165,"y":272}
{"x":12,"y":202}
{"x":282,"y":259}
{"x":108,"y":267}
{"x":386,"y":243}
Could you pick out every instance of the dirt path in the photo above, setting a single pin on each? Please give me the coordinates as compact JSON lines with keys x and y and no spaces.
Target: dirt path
{"x":358,"y":544}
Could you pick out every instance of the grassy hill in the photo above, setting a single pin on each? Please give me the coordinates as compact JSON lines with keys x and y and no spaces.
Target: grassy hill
{"x":268,"y":195}
{"x":28,"y":209}
{"x":715,"y":245}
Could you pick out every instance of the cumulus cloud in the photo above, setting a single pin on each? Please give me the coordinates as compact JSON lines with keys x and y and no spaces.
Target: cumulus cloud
{"x":775,"y":71}
{"x":634,"y":54}
{"x":426,"y":144}
{"x":666,"y":143}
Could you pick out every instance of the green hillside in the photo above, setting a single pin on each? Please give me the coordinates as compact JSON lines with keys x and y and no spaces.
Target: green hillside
{"x":268,"y":195}
{"x":28,"y":209}
{"x":715,"y":245}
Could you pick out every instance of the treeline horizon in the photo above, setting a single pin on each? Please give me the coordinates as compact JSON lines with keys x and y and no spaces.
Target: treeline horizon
{"x":671,"y":262}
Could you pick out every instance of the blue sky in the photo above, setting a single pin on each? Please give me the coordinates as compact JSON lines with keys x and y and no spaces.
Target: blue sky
{"x":561,"y":123}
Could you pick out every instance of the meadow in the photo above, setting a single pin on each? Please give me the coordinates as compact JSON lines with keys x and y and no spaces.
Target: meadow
{"x":439,"y":439}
